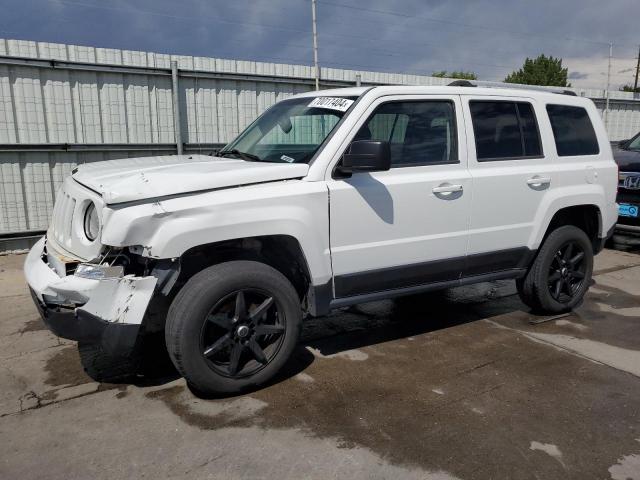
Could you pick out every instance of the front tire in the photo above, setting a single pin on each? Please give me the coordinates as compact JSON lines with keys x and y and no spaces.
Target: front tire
{"x":233,"y":326}
{"x":561,"y":273}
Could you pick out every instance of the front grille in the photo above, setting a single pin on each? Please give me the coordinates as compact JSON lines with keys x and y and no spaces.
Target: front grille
{"x":628,"y":196}
{"x":629,"y":181}
{"x":65,"y":230}
{"x":629,"y":221}
{"x":62,"y":221}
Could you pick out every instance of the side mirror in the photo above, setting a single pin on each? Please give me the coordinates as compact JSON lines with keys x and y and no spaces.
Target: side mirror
{"x":366,"y":156}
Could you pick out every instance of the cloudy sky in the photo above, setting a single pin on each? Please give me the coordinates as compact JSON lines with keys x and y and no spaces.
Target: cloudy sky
{"x":489,"y":37}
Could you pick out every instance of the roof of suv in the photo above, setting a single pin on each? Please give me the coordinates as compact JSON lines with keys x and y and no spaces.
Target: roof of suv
{"x":450,"y":90}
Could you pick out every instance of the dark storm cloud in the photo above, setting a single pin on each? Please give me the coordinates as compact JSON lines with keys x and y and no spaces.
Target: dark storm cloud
{"x":490,"y":37}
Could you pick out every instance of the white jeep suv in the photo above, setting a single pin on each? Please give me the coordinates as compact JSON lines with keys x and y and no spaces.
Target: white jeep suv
{"x":328,"y":199}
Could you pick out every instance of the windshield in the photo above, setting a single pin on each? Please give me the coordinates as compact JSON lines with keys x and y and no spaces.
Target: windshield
{"x":634,"y":144}
{"x":289,"y":132}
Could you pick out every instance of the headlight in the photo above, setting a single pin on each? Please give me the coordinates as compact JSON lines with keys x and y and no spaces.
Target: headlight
{"x":91,"y":222}
{"x":98,"y":272}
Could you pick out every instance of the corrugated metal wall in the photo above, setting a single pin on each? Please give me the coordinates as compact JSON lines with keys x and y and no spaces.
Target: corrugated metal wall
{"x":61,"y":105}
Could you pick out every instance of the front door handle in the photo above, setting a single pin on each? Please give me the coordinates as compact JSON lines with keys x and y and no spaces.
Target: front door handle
{"x":538,"y":181}
{"x":447,"y":188}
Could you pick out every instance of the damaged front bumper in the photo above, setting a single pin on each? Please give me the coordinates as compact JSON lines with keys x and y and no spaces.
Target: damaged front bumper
{"x":107,"y":311}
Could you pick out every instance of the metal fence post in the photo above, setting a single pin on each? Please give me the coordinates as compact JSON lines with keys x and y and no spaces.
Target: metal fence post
{"x":176,"y":106}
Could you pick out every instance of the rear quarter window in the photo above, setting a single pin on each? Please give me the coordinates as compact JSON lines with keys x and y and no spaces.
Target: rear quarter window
{"x":572,"y":131}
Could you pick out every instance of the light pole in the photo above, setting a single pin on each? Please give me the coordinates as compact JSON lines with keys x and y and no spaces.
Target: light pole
{"x":315,"y":44}
{"x":606,"y":106}
{"x":635,"y":84}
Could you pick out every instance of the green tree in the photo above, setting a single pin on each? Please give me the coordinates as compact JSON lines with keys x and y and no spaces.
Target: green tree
{"x":461,"y":75}
{"x":629,"y":88}
{"x":541,"y":71}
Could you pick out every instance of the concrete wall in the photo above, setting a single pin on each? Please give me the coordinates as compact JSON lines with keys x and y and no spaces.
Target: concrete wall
{"x":61,"y":105}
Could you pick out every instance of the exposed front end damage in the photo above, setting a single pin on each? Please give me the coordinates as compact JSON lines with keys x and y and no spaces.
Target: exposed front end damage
{"x":108,"y":308}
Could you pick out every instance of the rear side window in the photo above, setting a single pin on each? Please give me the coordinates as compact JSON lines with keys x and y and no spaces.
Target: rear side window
{"x":505,"y":130}
{"x":572,"y":130}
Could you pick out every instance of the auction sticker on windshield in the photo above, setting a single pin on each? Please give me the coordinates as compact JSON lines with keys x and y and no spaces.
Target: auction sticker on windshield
{"x":332,"y":103}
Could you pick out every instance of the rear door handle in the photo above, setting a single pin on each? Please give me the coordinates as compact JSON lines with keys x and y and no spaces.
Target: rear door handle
{"x":538,"y":181}
{"x":447,"y":188}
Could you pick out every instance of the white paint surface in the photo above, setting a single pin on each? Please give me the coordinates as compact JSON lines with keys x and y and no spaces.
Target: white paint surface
{"x":131,"y":179}
{"x":390,"y":230}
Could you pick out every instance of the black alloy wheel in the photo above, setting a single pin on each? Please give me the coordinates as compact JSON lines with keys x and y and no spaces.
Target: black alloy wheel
{"x":567,"y":272}
{"x":243,"y":332}
{"x":233,"y":326}
{"x":560,"y":274}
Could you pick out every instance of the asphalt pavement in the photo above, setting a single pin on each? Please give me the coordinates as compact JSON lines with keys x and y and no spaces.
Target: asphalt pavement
{"x":462,"y":384}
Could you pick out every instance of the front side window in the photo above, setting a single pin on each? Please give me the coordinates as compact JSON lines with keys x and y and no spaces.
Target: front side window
{"x":291,"y":131}
{"x":505,"y":130}
{"x":572,"y":130}
{"x":419,"y":132}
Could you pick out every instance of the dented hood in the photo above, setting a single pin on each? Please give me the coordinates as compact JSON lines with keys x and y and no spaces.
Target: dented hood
{"x":132,"y":179}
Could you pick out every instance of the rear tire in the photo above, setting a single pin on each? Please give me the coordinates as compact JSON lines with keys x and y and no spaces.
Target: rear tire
{"x":561,"y":273}
{"x":233,"y":326}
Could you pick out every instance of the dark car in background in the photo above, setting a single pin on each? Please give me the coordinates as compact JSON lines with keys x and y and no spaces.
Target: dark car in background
{"x":627,"y":155}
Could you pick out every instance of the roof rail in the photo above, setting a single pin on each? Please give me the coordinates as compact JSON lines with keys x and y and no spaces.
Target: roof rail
{"x":482,"y":83}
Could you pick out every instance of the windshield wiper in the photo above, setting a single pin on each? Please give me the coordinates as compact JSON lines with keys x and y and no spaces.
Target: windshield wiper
{"x":243,"y":155}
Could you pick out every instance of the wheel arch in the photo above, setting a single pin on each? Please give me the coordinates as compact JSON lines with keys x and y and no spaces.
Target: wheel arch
{"x":282,"y":252}
{"x":587,"y":217}
{"x":572,"y":204}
